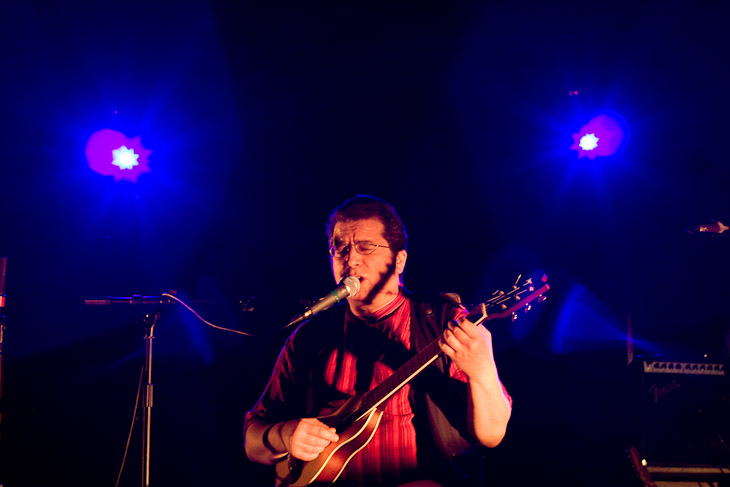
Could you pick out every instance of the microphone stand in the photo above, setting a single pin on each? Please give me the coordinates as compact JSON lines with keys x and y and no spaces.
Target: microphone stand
{"x":2,"y":368}
{"x":3,"y":268}
{"x":2,"y":379}
{"x":150,"y":320}
{"x":2,"y":332}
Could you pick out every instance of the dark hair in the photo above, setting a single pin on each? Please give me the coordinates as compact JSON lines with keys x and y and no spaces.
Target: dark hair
{"x":363,"y":207}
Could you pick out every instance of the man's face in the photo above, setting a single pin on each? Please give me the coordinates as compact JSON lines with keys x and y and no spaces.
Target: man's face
{"x":378,"y":272}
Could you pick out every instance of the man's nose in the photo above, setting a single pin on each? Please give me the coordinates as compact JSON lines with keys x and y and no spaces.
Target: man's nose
{"x":353,"y":258}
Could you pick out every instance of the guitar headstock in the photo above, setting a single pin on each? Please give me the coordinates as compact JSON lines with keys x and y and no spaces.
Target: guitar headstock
{"x":506,"y":304}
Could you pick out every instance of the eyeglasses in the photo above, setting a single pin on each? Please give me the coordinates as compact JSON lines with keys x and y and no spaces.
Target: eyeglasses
{"x":362,"y":247}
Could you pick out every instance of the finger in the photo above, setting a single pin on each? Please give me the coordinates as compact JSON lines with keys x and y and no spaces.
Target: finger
{"x":449,"y":338}
{"x":327,"y":434}
{"x":318,"y":442}
{"x":464,"y":328}
{"x":446,"y":348}
{"x":308,"y":447}
{"x":469,"y":328}
{"x":455,"y":336}
{"x":320,"y":430}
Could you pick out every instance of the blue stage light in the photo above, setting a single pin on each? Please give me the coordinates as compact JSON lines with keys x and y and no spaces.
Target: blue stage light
{"x":125,"y":158}
{"x":602,"y":136}
{"x":588,"y":142}
{"x":111,"y":153}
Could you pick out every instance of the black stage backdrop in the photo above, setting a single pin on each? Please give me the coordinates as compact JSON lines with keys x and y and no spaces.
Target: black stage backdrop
{"x":261,"y":119}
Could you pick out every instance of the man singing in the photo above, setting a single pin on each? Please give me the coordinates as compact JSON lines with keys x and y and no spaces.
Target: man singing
{"x":433,"y":428}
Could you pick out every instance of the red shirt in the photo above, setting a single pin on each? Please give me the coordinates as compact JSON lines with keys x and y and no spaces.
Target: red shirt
{"x":392,"y":451}
{"x":354,"y":363}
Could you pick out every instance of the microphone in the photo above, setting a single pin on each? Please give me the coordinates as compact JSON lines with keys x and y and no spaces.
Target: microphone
{"x":349,"y":286}
{"x":714,"y":227}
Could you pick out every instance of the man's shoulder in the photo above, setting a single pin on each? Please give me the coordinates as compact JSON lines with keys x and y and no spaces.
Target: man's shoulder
{"x":435,"y":299}
{"x":435,"y":308}
{"x":431,"y":312}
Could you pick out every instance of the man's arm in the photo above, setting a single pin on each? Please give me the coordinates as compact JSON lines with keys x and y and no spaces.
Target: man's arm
{"x":489,"y":409}
{"x":304,"y":439}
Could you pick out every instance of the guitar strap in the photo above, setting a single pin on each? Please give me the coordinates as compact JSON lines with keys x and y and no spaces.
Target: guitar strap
{"x":439,"y":403}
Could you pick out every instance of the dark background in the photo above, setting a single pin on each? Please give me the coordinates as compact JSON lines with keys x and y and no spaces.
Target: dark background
{"x":262,"y":118}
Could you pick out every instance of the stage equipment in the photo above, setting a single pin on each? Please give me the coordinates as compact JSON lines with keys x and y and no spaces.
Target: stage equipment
{"x":681,"y":420}
{"x":349,"y":286}
{"x":3,"y":268}
{"x":604,"y":135}
{"x":111,"y":153}
{"x":133,"y":300}
{"x":150,"y":319}
{"x":713,"y":228}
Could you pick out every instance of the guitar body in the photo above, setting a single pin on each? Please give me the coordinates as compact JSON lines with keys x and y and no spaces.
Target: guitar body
{"x":328,"y":466}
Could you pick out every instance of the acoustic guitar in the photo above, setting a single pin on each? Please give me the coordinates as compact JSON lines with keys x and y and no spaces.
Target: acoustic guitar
{"x":357,"y":420}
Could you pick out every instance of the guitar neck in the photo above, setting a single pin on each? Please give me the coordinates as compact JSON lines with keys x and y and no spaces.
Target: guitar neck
{"x":404,"y":374}
{"x":414,"y":366}
{"x":501,"y":305}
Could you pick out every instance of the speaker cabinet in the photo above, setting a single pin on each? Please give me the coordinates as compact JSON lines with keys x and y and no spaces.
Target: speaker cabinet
{"x":681,"y":417}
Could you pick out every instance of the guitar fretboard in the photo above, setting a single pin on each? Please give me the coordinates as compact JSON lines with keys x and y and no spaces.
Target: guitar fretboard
{"x":383,"y":391}
{"x":504,"y":303}
{"x":400,"y":377}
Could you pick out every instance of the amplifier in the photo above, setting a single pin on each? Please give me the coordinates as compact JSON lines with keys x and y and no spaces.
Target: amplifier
{"x":690,"y":368}
{"x":681,"y":416}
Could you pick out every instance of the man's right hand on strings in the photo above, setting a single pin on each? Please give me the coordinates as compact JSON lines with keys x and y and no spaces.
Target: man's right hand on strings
{"x":306,"y":438}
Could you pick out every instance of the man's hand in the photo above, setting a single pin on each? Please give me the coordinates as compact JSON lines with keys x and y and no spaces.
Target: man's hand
{"x":489,"y":407}
{"x":306,"y":438}
{"x":470,"y":347}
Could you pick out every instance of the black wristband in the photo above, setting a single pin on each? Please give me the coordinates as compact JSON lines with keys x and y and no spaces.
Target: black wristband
{"x":267,"y":443}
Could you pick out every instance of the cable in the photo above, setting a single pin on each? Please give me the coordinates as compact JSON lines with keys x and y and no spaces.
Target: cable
{"x":203,"y":320}
{"x":131,"y":428}
{"x":141,"y":377}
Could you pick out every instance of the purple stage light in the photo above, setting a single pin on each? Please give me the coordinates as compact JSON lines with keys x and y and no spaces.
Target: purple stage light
{"x":111,"y":153}
{"x":602,"y":136}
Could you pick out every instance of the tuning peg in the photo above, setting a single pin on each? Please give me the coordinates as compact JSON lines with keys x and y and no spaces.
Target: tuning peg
{"x":513,"y":317}
{"x":542,"y":298}
{"x":528,"y":308}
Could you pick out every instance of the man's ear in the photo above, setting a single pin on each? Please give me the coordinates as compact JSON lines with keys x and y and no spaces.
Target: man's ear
{"x":400,"y":261}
